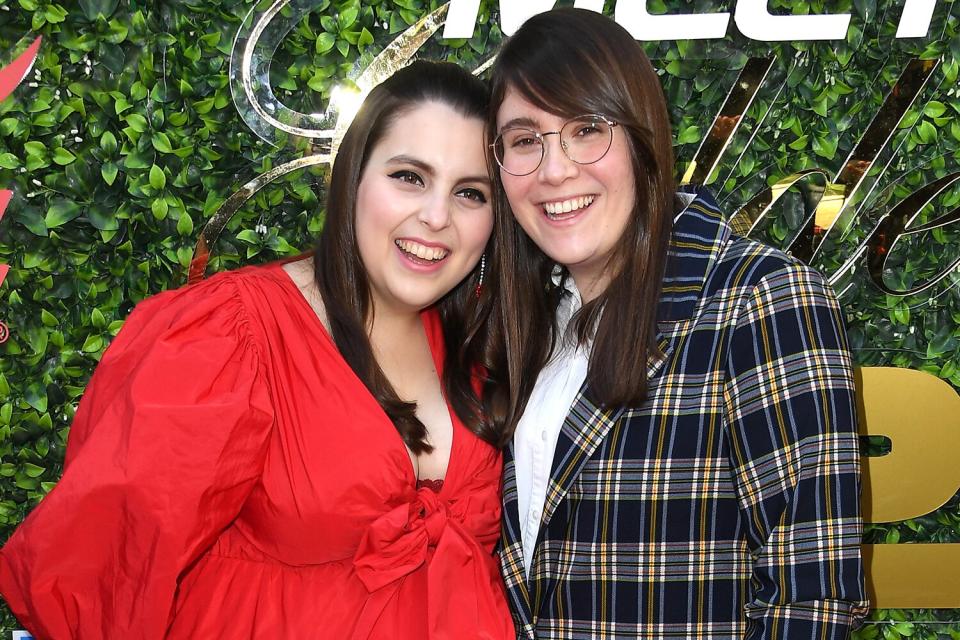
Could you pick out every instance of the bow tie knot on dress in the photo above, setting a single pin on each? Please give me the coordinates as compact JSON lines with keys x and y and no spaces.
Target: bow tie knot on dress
{"x":398,"y":542}
{"x":430,"y":533}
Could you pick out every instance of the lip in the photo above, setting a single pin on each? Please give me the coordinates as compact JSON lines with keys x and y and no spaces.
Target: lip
{"x":414,"y":264}
{"x":570,"y":197}
{"x":574,"y":217}
{"x":426,"y":243}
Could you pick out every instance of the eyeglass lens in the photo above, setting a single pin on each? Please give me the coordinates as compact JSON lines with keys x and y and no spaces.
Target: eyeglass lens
{"x":584,"y":140}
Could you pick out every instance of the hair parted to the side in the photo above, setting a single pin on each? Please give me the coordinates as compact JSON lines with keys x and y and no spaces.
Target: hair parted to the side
{"x":572,"y":62}
{"x":342,"y":278}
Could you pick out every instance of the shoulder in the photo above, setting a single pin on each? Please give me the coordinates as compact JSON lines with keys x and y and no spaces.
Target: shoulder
{"x":754,"y":260}
{"x":224,"y":305}
{"x":729,"y":266}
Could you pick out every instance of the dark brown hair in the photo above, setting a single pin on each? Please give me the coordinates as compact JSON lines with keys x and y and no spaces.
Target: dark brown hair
{"x":342,"y":278}
{"x":572,"y":62}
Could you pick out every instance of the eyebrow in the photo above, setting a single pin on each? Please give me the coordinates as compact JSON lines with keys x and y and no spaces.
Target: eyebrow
{"x":419,"y":164}
{"x":429,"y":170}
{"x":528,"y":123}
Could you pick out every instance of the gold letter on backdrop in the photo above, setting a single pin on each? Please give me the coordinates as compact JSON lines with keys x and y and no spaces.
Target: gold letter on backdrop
{"x":920,"y":413}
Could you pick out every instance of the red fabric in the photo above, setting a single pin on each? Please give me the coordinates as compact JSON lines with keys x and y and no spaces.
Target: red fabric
{"x":228,"y":476}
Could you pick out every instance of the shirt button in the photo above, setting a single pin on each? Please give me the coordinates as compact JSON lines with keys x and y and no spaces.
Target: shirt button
{"x":543,"y":436}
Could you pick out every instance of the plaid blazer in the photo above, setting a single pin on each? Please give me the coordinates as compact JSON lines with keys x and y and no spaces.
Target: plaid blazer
{"x":727,"y":504}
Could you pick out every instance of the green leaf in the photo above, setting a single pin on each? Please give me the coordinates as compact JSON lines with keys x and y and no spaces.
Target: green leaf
{"x":161,"y":142}
{"x":688,"y":135}
{"x":48,"y":319}
{"x":800,"y":143}
{"x":927,"y":132}
{"x":36,"y":396}
{"x":159,"y":208}
{"x":137,"y":122}
{"x":934,"y":109}
{"x":366,"y":39}
{"x":825,"y":146}
{"x":325,"y":42}
{"x":55,"y":14}
{"x":92,"y":344}
{"x":61,"y":212}
{"x":9,"y":161}
{"x":249,"y":236}
{"x":185,"y":224}
{"x":318,"y":83}
{"x":203,"y":106}
{"x":32,"y":470}
{"x":108,"y":142}
{"x":63,"y":157}
{"x":94,"y":9}
{"x":348,"y":16}
{"x":34,"y":148}
{"x":109,"y":172}
{"x":158,"y":180}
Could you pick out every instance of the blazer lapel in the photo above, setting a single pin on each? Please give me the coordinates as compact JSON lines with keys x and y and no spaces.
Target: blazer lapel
{"x":583,"y":430}
{"x":511,"y":551}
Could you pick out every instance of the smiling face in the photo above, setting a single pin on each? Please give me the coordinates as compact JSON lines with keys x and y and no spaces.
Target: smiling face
{"x":423,"y":207}
{"x":575,"y":213}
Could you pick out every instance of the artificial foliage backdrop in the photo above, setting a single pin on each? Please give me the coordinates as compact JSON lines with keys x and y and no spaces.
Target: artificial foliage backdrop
{"x":124,"y":140}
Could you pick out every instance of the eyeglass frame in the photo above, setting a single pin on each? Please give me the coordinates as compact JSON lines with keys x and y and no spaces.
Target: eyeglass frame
{"x":543,"y":145}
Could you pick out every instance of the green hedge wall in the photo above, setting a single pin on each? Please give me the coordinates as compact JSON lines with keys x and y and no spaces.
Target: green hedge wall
{"x":125,"y":140}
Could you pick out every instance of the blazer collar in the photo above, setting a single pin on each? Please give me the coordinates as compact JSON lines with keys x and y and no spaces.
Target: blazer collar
{"x":699,"y":235}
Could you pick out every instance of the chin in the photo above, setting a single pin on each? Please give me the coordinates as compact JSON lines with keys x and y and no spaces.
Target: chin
{"x":416,"y":301}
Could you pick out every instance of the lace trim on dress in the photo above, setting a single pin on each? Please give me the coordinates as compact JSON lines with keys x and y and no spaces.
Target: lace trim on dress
{"x":433,"y":485}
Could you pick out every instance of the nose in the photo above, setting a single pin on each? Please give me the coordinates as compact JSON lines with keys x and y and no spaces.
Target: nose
{"x":556,"y":166}
{"x":435,"y":213}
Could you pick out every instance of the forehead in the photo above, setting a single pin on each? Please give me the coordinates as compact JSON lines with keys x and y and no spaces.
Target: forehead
{"x":434,"y":133}
{"x":517,"y":110}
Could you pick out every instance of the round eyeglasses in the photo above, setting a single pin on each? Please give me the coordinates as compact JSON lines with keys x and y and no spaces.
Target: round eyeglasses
{"x":584,"y":139}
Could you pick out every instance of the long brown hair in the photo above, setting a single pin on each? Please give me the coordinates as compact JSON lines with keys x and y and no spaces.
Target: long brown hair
{"x":571,"y":62}
{"x":342,"y":278}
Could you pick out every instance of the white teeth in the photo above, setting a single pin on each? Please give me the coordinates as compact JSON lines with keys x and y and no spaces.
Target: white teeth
{"x":421,"y":251}
{"x":566,"y":206}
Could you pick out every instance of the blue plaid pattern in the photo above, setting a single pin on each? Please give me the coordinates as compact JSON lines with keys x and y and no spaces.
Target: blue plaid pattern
{"x":727,"y":505}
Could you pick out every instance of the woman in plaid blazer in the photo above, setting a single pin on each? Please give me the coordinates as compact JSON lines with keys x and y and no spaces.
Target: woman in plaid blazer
{"x":685,"y":461}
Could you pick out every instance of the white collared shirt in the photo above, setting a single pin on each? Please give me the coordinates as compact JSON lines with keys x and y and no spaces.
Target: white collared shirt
{"x":535,"y":440}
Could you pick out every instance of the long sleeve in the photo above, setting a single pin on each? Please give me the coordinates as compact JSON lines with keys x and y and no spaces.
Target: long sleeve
{"x":790,"y":402}
{"x":167,"y":443}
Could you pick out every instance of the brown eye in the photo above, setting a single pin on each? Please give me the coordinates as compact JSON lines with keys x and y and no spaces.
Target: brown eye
{"x":407,"y":176}
{"x":473,"y":194}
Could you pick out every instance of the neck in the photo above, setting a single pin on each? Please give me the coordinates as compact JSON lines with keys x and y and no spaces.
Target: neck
{"x":590,"y":282}
{"x":392,"y":323}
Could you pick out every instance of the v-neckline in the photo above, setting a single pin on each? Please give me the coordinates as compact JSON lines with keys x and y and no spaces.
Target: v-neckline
{"x":287,"y":280}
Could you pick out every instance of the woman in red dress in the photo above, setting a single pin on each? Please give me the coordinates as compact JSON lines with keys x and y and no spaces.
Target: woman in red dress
{"x":249,"y":458}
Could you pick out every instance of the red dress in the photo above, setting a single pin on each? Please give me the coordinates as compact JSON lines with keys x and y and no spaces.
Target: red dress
{"x":228,"y":476}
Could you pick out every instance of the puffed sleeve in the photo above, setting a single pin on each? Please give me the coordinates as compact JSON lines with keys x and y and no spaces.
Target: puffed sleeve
{"x":795,"y":457}
{"x":167,"y":443}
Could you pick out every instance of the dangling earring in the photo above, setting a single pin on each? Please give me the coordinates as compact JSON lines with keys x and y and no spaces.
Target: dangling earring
{"x":483,"y":268}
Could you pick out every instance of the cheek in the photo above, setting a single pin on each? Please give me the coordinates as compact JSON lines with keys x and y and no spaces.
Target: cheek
{"x":514,"y":188}
{"x":375,"y":219}
{"x":476,"y":230}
